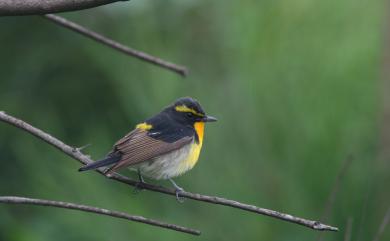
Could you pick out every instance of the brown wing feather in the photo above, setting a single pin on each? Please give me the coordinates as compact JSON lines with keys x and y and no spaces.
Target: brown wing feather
{"x":137,"y":147}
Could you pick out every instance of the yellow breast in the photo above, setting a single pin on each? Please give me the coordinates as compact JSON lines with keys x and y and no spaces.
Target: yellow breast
{"x":194,"y":153}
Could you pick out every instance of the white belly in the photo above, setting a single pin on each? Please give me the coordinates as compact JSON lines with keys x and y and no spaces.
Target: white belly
{"x":172,"y":164}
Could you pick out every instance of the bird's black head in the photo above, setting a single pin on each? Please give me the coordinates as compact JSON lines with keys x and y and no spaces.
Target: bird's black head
{"x":188,"y":111}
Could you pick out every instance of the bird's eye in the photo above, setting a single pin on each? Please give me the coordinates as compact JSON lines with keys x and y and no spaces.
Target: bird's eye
{"x":190,"y":115}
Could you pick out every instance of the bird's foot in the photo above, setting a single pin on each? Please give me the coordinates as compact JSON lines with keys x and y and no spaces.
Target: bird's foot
{"x":138,"y":186}
{"x":179,"y":191}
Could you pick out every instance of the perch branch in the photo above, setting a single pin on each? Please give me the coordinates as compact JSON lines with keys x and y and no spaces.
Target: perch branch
{"x":183,"y":71}
{"x":34,"y":7}
{"x":101,"y":211}
{"x":76,"y":154}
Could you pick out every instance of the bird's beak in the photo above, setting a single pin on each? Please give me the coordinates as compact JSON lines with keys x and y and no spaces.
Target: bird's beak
{"x":208,"y":118}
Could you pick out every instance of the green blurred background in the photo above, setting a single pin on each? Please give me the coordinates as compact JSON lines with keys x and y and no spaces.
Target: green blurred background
{"x":296,"y":86}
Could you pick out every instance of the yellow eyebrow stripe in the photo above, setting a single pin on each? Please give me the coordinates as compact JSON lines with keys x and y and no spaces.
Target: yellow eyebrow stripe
{"x":144,"y":126}
{"x":184,"y":108}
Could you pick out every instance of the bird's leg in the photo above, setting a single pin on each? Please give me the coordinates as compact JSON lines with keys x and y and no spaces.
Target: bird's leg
{"x":141,"y":181}
{"x":140,"y":178}
{"x":177,"y":191}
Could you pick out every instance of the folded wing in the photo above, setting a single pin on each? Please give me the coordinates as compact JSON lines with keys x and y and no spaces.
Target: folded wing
{"x":138,"y":146}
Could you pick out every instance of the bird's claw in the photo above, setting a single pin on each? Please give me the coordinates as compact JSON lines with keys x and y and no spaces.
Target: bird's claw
{"x":178,"y":191}
{"x":138,"y":187}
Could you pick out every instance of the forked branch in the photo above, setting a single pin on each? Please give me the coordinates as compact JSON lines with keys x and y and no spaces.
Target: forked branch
{"x":101,"y":211}
{"x":76,"y":154}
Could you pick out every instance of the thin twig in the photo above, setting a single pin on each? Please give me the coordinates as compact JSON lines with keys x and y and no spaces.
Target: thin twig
{"x":115,"y":45}
{"x":34,"y":7}
{"x":383,"y":225}
{"x":335,"y":189}
{"x":76,"y":154}
{"x":348,"y":230}
{"x":101,"y":211}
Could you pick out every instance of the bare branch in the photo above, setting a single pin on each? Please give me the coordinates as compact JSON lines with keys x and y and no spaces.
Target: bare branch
{"x":383,"y":225}
{"x":332,"y":195}
{"x":101,"y":211}
{"x":34,"y":7}
{"x":183,"y":71}
{"x":348,"y":230}
{"x":76,"y":154}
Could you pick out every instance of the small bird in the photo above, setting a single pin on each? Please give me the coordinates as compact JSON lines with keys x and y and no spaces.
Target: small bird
{"x":162,"y":147}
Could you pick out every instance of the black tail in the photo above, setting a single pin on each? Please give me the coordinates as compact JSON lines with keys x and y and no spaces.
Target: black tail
{"x":110,"y":159}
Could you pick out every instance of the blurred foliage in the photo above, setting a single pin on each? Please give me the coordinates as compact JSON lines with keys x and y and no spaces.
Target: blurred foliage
{"x":295,"y":86}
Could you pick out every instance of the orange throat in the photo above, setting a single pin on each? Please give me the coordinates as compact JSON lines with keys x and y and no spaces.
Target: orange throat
{"x":199,"y":128}
{"x":193,"y":155}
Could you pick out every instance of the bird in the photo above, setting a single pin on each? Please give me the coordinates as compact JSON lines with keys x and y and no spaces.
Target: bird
{"x":162,"y":147}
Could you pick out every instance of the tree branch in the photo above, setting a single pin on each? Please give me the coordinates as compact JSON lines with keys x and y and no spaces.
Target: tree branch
{"x":34,"y":7}
{"x":76,"y":154}
{"x":183,"y":71}
{"x":101,"y":211}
